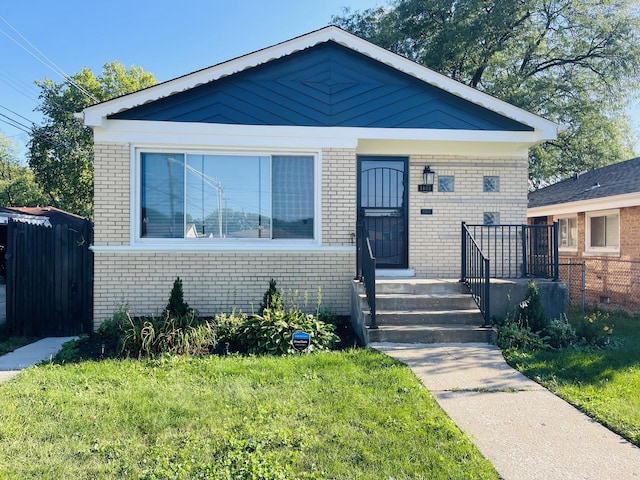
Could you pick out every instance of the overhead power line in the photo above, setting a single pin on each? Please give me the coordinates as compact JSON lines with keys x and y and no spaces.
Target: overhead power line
{"x":16,"y":113}
{"x":42,"y":58}
{"x":15,"y":124}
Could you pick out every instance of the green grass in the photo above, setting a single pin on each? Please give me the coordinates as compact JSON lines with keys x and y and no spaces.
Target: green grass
{"x":351,"y":414}
{"x":603,"y":383}
{"x":9,"y":343}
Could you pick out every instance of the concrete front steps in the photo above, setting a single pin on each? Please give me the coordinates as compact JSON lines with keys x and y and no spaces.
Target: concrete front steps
{"x":411,"y":310}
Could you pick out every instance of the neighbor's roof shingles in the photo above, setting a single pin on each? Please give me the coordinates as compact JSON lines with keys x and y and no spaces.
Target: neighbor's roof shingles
{"x":616,"y":179}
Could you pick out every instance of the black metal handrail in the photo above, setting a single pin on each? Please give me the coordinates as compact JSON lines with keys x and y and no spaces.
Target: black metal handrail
{"x":475,"y":273}
{"x":366,"y":269}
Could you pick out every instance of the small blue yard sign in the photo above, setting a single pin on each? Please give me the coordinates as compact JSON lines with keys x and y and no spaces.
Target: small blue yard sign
{"x":301,"y":341}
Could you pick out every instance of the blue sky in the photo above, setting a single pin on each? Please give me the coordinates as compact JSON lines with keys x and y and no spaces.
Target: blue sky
{"x":168,"y":39}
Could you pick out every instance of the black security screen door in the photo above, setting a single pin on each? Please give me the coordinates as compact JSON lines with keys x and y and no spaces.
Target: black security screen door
{"x":382,"y":200}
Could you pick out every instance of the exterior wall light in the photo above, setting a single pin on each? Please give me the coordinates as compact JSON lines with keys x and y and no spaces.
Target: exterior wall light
{"x":427,"y":177}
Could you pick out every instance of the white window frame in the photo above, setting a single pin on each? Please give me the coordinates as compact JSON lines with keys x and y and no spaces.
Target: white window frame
{"x":186,"y":243}
{"x":558,"y":219}
{"x":587,"y":240}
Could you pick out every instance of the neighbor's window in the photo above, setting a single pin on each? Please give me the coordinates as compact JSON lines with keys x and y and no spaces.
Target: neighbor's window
{"x":603,"y":230}
{"x":226,"y":196}
{"x":490,"y":184}
{"x":568,"y":232}
{"x":446,"y":183}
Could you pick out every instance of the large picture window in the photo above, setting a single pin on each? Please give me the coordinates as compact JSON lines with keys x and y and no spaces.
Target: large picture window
{"x":226,"y":196}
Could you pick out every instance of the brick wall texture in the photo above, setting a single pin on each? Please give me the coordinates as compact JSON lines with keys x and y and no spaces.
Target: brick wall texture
{"x":217,"y":280}
{"x":611,"y":281}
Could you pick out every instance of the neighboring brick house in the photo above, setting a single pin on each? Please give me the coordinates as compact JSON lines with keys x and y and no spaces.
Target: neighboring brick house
{"x":259,"y":167}
{"x":598,"y":215}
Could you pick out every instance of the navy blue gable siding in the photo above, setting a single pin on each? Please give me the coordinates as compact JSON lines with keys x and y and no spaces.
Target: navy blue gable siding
{"x":327,"y":85}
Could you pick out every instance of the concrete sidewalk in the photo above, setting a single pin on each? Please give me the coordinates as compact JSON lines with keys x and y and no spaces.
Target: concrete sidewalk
{"x":23,"y":357}
{"x":524,"y":430}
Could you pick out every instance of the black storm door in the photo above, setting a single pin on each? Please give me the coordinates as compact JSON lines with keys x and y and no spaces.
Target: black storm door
{"x":382,"y":201}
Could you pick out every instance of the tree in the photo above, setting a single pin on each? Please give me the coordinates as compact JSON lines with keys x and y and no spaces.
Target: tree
{"x":575,"y":62}
{"x":61,"y":151}
{"x":17,"y":184}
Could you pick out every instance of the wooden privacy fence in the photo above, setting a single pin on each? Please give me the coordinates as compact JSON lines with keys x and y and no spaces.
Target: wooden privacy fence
{"x":49,"y":278}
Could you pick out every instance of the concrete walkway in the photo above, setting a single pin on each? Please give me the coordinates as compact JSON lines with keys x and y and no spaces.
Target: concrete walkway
{"x":524,"y":430}
{"x":23,"y":357}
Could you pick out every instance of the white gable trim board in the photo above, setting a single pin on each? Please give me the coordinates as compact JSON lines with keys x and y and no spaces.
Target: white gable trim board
{"x":96,"y":116}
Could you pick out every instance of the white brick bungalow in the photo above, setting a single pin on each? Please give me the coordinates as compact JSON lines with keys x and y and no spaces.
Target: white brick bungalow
{"x":258,"y":168}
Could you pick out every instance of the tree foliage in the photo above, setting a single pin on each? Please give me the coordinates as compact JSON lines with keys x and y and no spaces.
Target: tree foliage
{"x":61,"y":151}
{"x":17,"y":184}
{"x":575,"y":62}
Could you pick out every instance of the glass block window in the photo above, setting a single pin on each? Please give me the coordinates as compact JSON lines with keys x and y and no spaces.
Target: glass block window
{"x":491,"y":184}
{"x":446,"y":183}
{"x":491,"y":218}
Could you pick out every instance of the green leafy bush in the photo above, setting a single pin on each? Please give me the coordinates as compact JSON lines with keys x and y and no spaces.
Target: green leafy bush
{"x":530,"y":311}
{"x":227,"y":327}
{"x":271,"y":332}
{"x":153,"y":336}
{"x":559,"y":334}
{"x":594,"y":329}
{"x":511,"y":335}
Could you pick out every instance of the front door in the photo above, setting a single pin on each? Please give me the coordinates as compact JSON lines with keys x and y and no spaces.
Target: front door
{"x":382,"y":201}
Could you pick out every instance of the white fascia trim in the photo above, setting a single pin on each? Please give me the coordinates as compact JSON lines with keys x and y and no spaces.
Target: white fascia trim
{"x":221,"y":248}
{"x":606,"y":203}
{"x":186,"y":133}
{"x":94,"y":116}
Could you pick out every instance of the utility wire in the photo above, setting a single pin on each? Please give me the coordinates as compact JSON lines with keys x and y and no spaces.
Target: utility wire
{"x":21,"y":87}
{"x":16,"y":113}
{"x":42,"y":58}
{"x":14,"y":124}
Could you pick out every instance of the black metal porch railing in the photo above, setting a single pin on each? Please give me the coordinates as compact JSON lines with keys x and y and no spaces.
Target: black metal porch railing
{"x":366,"y":269}
{"x":518,"y":251}
{"x":506,"y":251}
{"x":475,"y":273}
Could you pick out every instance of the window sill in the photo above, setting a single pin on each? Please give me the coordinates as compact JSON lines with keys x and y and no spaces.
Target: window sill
{"x":267,"y":246}
{"x":601,"y":253}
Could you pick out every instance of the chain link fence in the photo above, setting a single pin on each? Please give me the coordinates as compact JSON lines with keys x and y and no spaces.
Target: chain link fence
{"x":608,"y":283}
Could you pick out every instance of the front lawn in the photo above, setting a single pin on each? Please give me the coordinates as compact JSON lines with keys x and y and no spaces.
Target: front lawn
{"x":8,"y":343}
{"x":602,"y":382}
{"x":351,"y":414}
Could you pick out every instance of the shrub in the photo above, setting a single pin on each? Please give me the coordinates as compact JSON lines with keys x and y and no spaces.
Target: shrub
{"x":511,"y":334}
{"x":559,"y":333}
{"x":226,"y":327}
{"x":153,"y":336}
{"x":271,"y":332}
{"x":530,"y":312}
{"x":271,"y":298}
{"x":594,"y":329}
{"x":177,"y":307}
